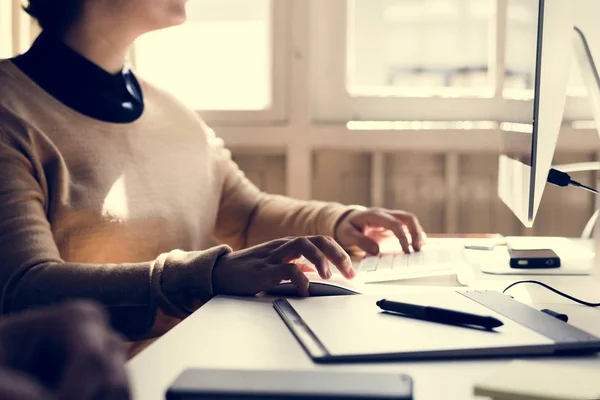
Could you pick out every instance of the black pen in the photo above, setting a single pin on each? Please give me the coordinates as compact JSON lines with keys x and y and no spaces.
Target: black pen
{"x":441,"y":315}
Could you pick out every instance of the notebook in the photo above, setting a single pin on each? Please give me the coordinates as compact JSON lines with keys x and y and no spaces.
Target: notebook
{"x":321,"y":326}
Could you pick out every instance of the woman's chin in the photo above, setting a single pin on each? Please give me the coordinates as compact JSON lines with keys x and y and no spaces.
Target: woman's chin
{"x":164,"y":23}
{"x":179,"y":21}
{"x":179,"y":18}
{"x":174,"y":14}
{"x":178,"y":10}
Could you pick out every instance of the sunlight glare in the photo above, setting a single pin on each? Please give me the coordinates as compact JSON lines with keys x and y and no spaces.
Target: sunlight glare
{"x":115,"y":206}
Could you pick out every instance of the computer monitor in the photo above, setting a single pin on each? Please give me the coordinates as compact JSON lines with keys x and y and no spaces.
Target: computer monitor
{"x":586,"y":23}
{"x":528,"y":146}
{"x":588,"y":68}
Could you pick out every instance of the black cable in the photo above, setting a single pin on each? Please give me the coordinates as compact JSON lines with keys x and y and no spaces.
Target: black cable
{"x":582,"y":186}
{"x":550,"y":288}
{"x":558,"y":178}
{"x":563,"y":179}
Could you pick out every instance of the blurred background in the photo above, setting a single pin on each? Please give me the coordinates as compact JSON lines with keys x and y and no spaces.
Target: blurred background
{"x":393,"y":103}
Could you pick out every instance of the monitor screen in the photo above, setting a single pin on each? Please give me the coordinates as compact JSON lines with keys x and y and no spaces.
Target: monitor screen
{"x":529,"y":141}
{"x":523,"y":39}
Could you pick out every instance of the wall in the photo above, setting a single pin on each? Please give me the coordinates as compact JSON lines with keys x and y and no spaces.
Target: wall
{"x":419,"y":182}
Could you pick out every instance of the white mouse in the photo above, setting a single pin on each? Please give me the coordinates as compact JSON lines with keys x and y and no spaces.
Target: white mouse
{"x":288,"y":289}
{"x":335,"y":286}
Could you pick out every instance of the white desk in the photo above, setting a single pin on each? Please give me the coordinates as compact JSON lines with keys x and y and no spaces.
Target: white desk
{"x":248,"y":334}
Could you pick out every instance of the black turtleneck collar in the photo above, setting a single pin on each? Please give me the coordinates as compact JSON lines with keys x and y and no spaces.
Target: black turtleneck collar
{"x":80,"y":84}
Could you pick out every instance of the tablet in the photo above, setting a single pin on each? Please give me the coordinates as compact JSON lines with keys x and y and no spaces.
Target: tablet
{"x":196,"y":384}
{"x":320,"y":324}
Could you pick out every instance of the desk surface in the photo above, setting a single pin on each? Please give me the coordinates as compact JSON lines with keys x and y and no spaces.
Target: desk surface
{"x":248,"y":334}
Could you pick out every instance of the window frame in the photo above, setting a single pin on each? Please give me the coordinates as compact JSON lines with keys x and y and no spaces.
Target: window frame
{"x":277,"y":112}
{"x":332,"y":102}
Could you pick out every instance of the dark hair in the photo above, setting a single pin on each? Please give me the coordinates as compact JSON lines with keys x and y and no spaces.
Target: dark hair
{"x":54,"y":16}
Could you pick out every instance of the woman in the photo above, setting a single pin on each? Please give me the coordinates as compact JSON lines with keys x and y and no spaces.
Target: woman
{"x":110,"y":189}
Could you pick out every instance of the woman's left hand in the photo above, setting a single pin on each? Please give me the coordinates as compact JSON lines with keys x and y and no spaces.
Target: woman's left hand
{"x":361,"y":229}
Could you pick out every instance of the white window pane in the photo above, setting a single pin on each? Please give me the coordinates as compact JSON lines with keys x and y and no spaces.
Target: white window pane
{"x":521,"y":48}
{"x":419,"y":47}
{"x":16,"y":29}
{"x":521,"y":52}
{"x":220,"y":59}
{"x":6,"y":48}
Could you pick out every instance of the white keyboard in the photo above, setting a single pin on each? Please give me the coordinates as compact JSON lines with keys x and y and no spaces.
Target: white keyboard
{"x":433,"y":260}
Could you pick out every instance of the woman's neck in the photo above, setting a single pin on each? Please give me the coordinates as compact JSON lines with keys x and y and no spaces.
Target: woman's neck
{"x":106,"y":50}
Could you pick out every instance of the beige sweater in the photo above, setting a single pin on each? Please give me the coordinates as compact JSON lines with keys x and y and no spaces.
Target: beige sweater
{"x":124,"y":213}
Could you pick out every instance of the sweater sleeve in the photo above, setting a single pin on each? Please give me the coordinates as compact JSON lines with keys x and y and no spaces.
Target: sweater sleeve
{"x":248,"y":216}
{"x":32,"y":272}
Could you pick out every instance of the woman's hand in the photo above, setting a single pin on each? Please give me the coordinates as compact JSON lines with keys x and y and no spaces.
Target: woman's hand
{"x":260,"y":268}
{"x":362,"y":229}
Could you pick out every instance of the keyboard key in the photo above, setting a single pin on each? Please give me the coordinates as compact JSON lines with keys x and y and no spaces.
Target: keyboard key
{"x":400,"y":262}
{"x":415,"y":260}
{"x":430,"y":258}
{"x":369,"y":264}
{"x":385,"y":262}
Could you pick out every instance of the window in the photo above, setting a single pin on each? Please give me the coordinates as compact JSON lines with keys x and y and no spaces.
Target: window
{"x":428,"y":60}
{"x":17,"y":29}
{"x":521,"y":48}
{"x":6,"y":45}
{"x":224,"y":57}
{"x":521,"y":44}
{"x":419,"y":47}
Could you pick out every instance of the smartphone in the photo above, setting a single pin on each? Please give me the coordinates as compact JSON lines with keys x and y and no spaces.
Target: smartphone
{"x":198,"y":384}
{"x":533,"y":259}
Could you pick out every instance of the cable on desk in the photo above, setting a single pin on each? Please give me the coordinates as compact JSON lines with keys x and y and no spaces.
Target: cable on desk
{"x":558,"y":292}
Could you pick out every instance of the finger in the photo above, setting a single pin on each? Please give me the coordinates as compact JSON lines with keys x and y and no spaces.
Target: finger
{"x":289,"y":272}
{"x":365,"y":243}
{"x":306,"y":267}
{"x":334,"y":253}
{"x":414,"y":227}
{"x":17,"y":385}
{"x":272,"y":245}
{"x":298,"y":247}
{"x":387,"y":221}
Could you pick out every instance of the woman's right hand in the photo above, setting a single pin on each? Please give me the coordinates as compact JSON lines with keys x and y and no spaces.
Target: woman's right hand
{"x":262,"y":267}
